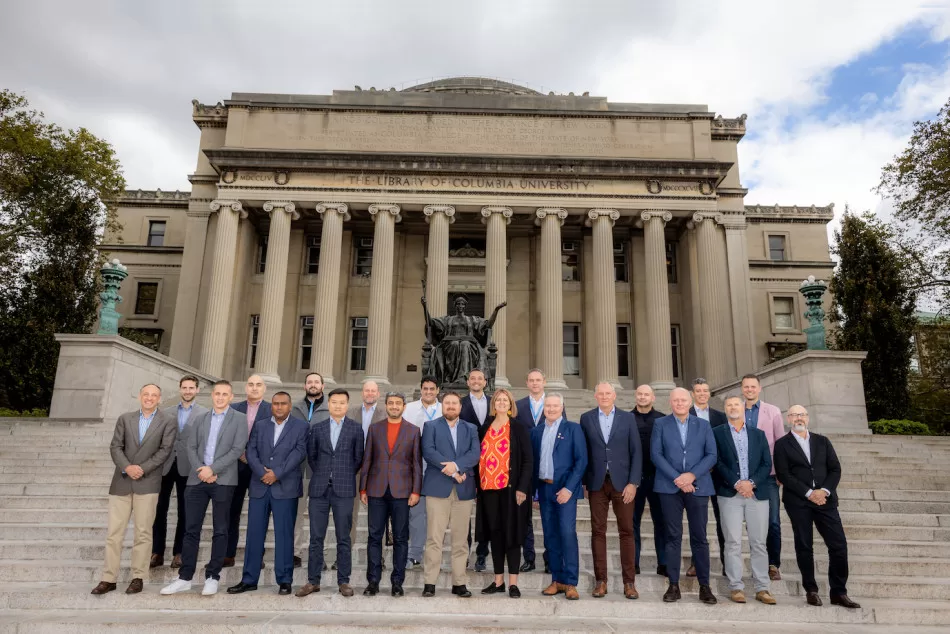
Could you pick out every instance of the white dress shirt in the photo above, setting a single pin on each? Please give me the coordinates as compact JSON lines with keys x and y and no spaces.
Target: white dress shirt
{"x":806,"y":447}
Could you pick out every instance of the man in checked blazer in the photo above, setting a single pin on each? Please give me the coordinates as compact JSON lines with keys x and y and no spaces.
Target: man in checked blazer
{"x":390,"y":483}
{"x":334,"y":452}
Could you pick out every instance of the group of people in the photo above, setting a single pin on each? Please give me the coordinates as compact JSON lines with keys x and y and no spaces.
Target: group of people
{"x":420,"y":468}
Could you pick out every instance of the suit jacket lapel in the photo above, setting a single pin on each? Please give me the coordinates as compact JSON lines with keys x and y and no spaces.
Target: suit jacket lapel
{"x":228,"y":417}
{"x":798,"y":448}
{"x":132,"y":427}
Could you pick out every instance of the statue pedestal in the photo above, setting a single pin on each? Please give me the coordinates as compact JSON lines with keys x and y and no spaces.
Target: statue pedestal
{"x":828,"y":383}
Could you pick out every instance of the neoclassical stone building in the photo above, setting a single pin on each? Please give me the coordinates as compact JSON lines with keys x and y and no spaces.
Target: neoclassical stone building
{"x":616,"y":232}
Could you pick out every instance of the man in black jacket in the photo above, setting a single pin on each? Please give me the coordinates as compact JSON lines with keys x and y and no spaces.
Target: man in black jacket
{"x":645,"y":415}
{"x":808,"y":468}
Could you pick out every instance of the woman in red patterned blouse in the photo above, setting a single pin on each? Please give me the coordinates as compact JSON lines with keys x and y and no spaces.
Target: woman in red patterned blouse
{"x":504,"y":481}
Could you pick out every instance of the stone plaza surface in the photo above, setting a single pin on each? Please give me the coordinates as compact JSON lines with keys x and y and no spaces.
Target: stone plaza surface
{"x":53,"y":509}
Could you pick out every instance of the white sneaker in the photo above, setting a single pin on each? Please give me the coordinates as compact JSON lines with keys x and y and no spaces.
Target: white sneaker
{"x":210,"y":587}
{"x":176,"y":586}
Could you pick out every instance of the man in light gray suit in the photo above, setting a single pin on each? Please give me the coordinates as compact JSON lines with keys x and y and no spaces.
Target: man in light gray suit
{"x":214,"y":444}
{"x":313,"y":409}
{"x":140,"y":445}
{"x":175,"y":474}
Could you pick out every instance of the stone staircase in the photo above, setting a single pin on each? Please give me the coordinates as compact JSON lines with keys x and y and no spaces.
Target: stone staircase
{"x":53,"y":515}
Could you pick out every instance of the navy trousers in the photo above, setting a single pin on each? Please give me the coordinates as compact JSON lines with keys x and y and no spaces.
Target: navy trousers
{"x":285,"y":516}
{"x":774,"y":540}
{"x":559,"y":522}
{"x":237,"y":507}
{"x":380,"y":512}
{"x":697,"y":514}
{"x":645,"y":493}
{"x":197,"y":497}
{"x":160,"y":527}
{"x":320,"y":508}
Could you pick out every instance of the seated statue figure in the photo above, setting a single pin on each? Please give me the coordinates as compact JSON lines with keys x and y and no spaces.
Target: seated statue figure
{"x":458,"y":342}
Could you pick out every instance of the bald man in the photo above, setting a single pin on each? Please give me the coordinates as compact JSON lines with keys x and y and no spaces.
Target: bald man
{"x":646,"y":416}
{"x":366,"y":412}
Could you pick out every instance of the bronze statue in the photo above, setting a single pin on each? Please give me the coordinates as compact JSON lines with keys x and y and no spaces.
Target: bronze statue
{"x":458,"y":344}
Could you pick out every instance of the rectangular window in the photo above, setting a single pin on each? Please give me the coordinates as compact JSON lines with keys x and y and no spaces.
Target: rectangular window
{"x":572,"y":349}
{"x":677,"y":357}
{"x":313,"y":255}
{"x":364,"y":257}
{"x":262,"y":254}
{"x":620,"y":261}
{"x":569,"y":270}
{"x":359,"y":336}
{"x":252,"y":341}
{"x":777,"y":248}
{"x":156,"y":233}
{"x":784,"y":311}
{"x":623,"y":349}
{"x":671,"y":267}
{"x":306,"y":342}
{"x":146,"y":294}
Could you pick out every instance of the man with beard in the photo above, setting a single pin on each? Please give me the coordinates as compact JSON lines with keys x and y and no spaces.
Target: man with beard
{"x":313,"y":409}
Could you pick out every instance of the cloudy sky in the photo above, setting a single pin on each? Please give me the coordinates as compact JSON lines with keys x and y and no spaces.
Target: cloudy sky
{"x":831,"y":87}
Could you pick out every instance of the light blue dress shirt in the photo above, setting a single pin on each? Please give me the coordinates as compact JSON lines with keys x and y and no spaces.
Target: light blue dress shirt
{"x":454,"y":432}
{"x":335,"y":429}
{"x":683,"y":427}
{"x":741,"y":440}
{"x":216,"y":421}
{"x":144,"y":422}
{"x":183,"y":413}
{"x":702,"y":413}
{"x":606,"y":422}
{"x":367,"y":418}
{"x":480,"y":405}
{"x":546,"y":461}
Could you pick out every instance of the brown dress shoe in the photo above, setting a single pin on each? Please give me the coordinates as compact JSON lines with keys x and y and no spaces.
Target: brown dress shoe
{"x":103,"y":587}
{"x":630,"y":591}
{"x":774,"y":573}
{"x":812,"y":598}
{"x":600,"y":590}
{"x":135,"y":587}
{"x":691,"y":571}
{"x":765,"y":597}
{"x":176,"y":561}
{"x":551,"y":590}
{"x":307,"y":588}
{"x":346,"y":590}
{"x":571,"y":593}
{"x":844,"y":601}
{"x":229,"y":562}
{"x":738,"y":596}
{"x":562,"y":587}
{"x":156,"y":561}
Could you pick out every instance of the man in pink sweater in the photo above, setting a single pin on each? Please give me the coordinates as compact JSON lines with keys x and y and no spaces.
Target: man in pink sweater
{"x":768,"y":418}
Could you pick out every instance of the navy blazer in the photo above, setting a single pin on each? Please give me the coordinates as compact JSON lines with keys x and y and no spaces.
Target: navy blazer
{"x":524,"y":417}
{"x":263,"y":411}
{"x":569,"y":457}
{"x":283,"y":458}
{"x":622,"y":450}
{"x":468,"y":411}
{"x":335,"y":467}
{"x":437,"y":448}
{"x":668,"y":453}
{"x":716,"y":418}
{"x":727,"y":464}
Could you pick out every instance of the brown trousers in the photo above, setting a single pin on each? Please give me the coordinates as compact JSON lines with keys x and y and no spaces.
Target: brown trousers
{"x":600,"y":502}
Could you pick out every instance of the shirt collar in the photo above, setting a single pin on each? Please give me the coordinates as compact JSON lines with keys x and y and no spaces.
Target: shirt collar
{"x":681,"y":422}
{"x":540,"y":400}
{"x":610,"y":413}
{"x":338,"y":422}
{"x":370,"y":408}
{"x":701,"y":409}
{"x":274,"y":420}
{"x":754,"y":405}
{"x":738,"y":431}
{"x":451,"y":424}
{"x":150,"y":416}
{"x":181,"y":406}
{"x":555,"y":423}
{"x":478,"y":398}
{"x":800,"y":439}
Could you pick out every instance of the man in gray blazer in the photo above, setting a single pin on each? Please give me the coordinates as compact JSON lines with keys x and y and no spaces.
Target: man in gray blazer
{"x":140,"y":445}
{"x":366,"y":412}
{"x":175,"y":474}
{"x":214,"y":444}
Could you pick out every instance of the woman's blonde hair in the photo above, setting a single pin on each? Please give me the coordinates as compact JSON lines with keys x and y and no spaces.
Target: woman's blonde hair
{"x":512,"y":411}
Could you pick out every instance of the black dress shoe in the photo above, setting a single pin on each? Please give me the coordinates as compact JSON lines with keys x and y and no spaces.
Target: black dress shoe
{"x":638,"y":569}
{"x":527,"y":566}
{"x":461,"y":591}
{"x":333,"y":566}
{"x":298,"y":562}
{"x":284,"y":588}
{"x":547,"y":568}
{"x":494,"y":588}
{"x":480,"y":564}
{"x":672,"y":593}
{"x":429,"y":590}
{"x":661,"y":570}
{"x":371,"y":590}
{"x":812,"y":598}
{"x":844,"y":601}
{"x":241,"y":587}
{"x":706,"y":595}
{"x":398,"y":591}
{"x":514,"y":592}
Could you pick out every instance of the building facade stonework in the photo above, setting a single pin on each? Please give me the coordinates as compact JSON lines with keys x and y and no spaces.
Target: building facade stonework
{"x":617,"y":233}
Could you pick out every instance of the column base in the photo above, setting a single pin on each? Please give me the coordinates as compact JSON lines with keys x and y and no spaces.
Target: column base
{"x":555,"y":384}
{"x":662,"y":391}
{"x":270,"y":379}
{"x":502,"y":381}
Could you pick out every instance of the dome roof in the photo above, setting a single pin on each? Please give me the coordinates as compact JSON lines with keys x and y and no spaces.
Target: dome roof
{"x":473,"y":85}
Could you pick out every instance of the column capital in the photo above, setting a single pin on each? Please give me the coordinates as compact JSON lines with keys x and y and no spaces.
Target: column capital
{"x":612,"y":214}
{"x":448,"y":210}
{"x":506,"y":213}
{"x":390,"y":208}
{"x":287,"y":206}
{"x":654,"y":214}
{"x":716,"y":217}
{"x":544,"y":212}
{"x":233,"y":205}
{"x":340,"y":208}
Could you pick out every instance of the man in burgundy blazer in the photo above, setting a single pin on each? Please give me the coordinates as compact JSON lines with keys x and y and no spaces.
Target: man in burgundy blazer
{"x":390,"y":482}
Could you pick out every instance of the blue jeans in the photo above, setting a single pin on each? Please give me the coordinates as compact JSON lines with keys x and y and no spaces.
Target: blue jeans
{"x":320,"y":508}
{"x":646,"y":493}
{"x":258,"y":517}
{"x":380,"y":511}
{"x":774,"y":540}
{"x":559,"y":522}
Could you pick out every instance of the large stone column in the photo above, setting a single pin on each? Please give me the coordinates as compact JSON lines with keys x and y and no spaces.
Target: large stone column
{"x":381,"y":293}
{"x":496,"y":220}
{"x":658,"y":302}
{"x":222,"y":283}
{"x":328,"y":288}
{"x":439,"y":218}
{"x":189,"y":286}
{"x":551,"y":297}
{"x":603,"y":330}
{"x":275,"y":286}
{"x":695,"y":303}
{"x":742,"y":325}
{"x":713,"y":292}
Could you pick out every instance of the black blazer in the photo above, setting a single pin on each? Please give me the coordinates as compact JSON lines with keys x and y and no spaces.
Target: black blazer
{"x":796,"y":474}
{"x":726,"y":473}
{"x":520,"y":478}
{"x":468,"y":412}
{"x":623,"y":449}
{"x":716,"y":418}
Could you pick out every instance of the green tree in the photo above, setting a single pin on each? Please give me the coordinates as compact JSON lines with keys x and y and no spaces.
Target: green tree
{"x":874,"y":310}
{"x":55,"y":186}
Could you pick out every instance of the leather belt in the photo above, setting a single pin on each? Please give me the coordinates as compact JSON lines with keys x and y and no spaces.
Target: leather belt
{"x":548,"y":481}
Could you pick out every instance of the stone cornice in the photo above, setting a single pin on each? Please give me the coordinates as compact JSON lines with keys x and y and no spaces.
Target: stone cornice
{"x":728,"y":129}
{"x":804,"y":264}
{"x":778,"y":213}
{"x":205,"y":116}
{"x":152,"y":198}
{"x":138,"y":248}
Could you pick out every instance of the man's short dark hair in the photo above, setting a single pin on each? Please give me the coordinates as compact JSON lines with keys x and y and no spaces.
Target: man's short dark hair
{"x":451,"y":393}
{"x":429,"y":379}
{"x":749,"y":376}
{"x":188,"y":377}
{"x":729,"y":398}
{"x":700,"y":381}
{"x":336,"y":391}
{"x":282,"y":393}
{"x":222,"y":382}
{"x":310,"y":374}
{"x":479,"y":370}
{"x":398,"y":395}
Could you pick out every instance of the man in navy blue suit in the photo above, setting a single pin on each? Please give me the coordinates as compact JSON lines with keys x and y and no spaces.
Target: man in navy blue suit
{"x":334,"y":453}
{"x":614,"y":469}
{"x":561,"y":460}
{"x":451,"y":450}
{"x":684,"y":451}
{"x":255,"y":408}
{"x":275,"y":452}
